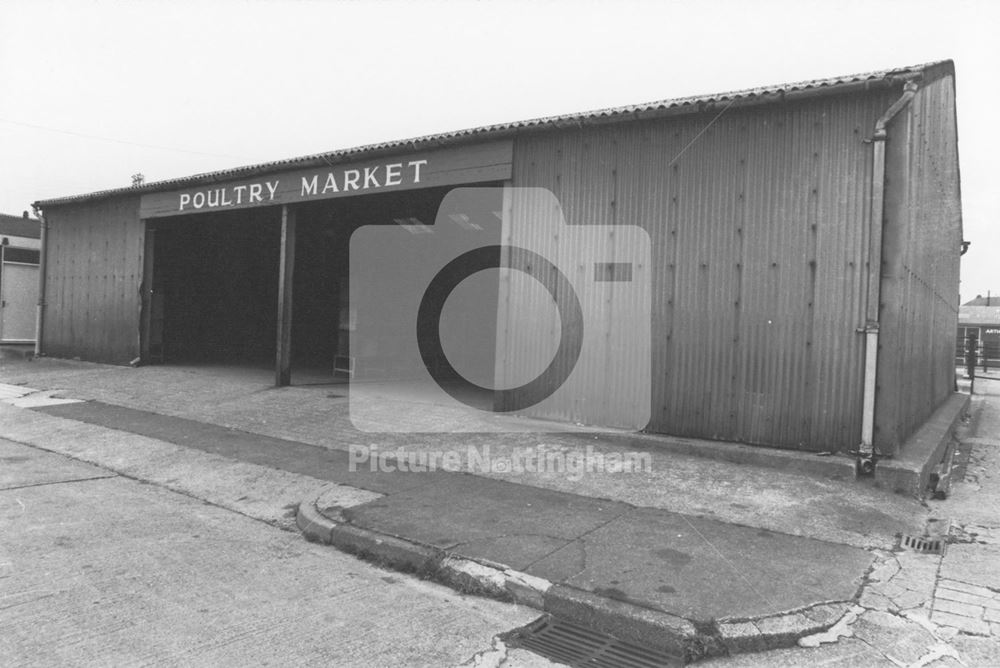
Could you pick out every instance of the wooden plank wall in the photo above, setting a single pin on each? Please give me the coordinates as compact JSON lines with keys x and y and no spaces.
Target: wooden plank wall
{"x":93,"y":276}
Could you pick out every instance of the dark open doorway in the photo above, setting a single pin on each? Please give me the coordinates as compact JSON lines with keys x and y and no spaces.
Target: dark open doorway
{"x":322,"y":314}
{"x":215,"y":281}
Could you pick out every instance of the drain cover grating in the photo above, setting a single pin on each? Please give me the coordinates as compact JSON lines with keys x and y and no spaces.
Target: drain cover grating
{"x":578,"y":647}
{"x":923,"y":544}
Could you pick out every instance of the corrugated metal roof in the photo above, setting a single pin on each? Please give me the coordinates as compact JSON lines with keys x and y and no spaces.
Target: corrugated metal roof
{"x":979,"y":315}
{"x":666,"y":107}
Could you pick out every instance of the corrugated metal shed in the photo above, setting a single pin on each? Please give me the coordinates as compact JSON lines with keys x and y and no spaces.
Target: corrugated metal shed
{"x":758,"y":208}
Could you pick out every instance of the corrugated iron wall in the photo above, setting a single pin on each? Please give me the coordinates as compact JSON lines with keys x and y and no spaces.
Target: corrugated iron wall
{"x":759,"y":227}
{"x":93,"y":272}
{"x":615,"y":351}
{"x":921,"y":242}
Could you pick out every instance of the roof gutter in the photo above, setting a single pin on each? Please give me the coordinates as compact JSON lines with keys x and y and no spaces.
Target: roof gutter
{"x":866,"y":451}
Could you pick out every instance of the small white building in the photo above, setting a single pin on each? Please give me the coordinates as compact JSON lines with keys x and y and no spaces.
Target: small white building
{"x":19,"y":253}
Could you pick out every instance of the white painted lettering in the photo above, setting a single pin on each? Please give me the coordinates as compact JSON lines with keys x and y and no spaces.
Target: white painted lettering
{"x":338,"y":181}
{"x":331,"y":184}
{"x":416,"y":164}
{"x":392,"y":175}
{"x":309,"y":187}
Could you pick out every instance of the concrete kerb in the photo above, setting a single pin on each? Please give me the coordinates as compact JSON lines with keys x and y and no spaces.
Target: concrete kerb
{"x":632,"y":623}
{"x":627,"y":621}
{"x":909,"y":472}
{"x":779,"y":631}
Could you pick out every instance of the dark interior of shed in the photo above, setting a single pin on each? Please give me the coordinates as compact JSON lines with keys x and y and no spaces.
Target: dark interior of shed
{"x":320,"y":302}
{"x":215,"y":281}
{"x":321,"y":310}
{"x":215,"y":287}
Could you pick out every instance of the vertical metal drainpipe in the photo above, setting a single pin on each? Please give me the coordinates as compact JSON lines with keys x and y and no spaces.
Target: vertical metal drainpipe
{"x":40,"y":308}
{"x":866,"y":449}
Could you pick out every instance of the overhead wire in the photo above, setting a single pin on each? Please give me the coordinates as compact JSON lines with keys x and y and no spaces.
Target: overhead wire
{"x":117,"y":141}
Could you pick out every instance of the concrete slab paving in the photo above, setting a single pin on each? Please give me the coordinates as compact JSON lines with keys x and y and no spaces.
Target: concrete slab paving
{"x":23,"y":466}
{"x":568,"y":538}
{"x":565,"y":590}
{"x":261,"y":492}
{"x":291,"y":456}
{"x":705,"y":570}
{"x":972,"y":563}
{"x":848,"y":653}
{"x":900,"y":638}
{"x":789,"y":507}
{"x":8,"y":391}
{"x":481,"y":518}
{"x":539,"y":531}
{"x":114,"y":572}
{"x":780,"y":500}
{"x":977,"y":650}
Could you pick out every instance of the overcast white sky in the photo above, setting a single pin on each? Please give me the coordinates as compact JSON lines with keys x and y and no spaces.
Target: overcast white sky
{"x":93,"y":92}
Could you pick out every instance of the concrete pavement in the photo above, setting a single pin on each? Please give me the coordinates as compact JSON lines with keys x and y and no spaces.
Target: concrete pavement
{"x":245,"y":400}
{"x":891,"y":618}
{"x":695,"y":568}
{"x":593,"y":550}
{"x":927,"y":609}
{"x":697,"y":586}
{"x":99,"y":569}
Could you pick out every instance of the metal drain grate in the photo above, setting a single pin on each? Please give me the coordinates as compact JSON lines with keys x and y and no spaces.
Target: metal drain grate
{"x":578,"y":647}
{"x":924,"y":544}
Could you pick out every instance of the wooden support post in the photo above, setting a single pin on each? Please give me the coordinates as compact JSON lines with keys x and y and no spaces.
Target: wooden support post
{"x":283,"y":361}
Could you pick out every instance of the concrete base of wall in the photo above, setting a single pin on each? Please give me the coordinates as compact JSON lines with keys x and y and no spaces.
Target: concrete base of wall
{"x":835,"y":466}
{"x":909,"y":472}
{"x":17,"y":350}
